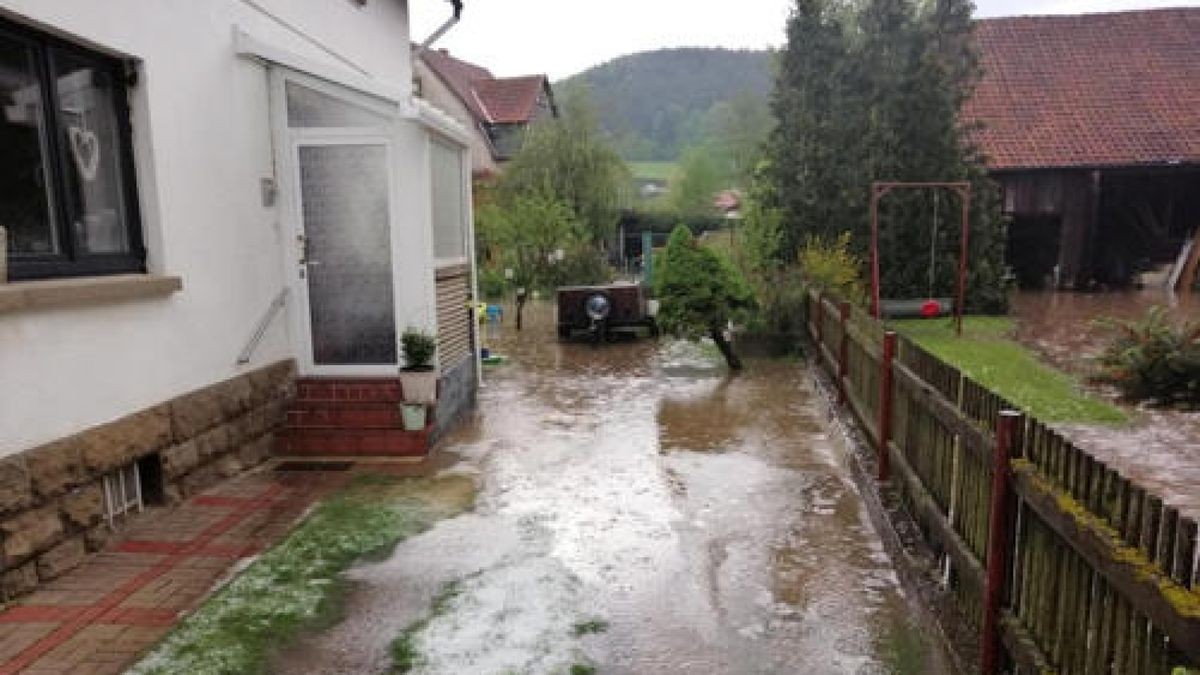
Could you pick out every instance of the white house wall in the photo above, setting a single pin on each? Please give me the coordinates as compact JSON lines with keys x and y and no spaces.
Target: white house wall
{"x":202,"y":145}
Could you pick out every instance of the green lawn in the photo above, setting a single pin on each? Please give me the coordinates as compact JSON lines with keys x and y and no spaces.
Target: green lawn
{"x":987,"y":354}
{"x":654,"y":170}
{"x":294,"y":586}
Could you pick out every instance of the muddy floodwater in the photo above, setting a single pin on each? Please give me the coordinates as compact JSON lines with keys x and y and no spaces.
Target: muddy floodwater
{"x":638,"y":512}
{"x":1159,"y":448}
{"x":1062,"y":326}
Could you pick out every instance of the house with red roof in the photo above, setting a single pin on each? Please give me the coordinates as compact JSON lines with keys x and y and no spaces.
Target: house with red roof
{"x":496,"y":109}
{"x":1091,"y":125}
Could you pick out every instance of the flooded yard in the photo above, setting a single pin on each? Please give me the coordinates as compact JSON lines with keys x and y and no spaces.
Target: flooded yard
{"x":1160,"y":449}
{"x":638,"y":512}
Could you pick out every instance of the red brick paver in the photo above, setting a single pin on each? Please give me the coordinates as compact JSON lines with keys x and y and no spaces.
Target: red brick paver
{"x":102,"y":616}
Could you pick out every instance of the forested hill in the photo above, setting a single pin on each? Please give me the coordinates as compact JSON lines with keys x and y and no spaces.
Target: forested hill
{"x":654,"y":103}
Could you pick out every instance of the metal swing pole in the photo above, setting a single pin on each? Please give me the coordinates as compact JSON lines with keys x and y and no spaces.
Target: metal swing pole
{"x":880,"y":189}
{"x":960,"y":308}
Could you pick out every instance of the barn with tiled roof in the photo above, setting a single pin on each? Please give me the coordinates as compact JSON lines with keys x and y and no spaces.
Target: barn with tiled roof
{"x":1091,"y":124}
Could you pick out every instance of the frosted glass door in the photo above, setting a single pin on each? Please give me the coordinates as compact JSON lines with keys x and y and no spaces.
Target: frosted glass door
{"x":346,"y":216}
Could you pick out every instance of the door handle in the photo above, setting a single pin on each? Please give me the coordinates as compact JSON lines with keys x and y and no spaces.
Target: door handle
{"x":302,"y":244}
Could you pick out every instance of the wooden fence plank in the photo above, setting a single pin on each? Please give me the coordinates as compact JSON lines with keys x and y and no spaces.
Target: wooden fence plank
{"x":975,"y":439}
{"x":1099,"y":569}
{"x":968,"y":567}
{"x":1155,"y":595}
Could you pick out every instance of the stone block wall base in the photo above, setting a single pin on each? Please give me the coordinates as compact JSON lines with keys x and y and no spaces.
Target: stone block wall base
{"x":52,"y":505}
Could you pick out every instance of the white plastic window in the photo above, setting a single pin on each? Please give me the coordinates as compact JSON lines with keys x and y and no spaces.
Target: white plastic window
{"x":449,"y":202}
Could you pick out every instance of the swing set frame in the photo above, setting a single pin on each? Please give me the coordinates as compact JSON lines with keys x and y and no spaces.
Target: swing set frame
{"x":879,"y":190}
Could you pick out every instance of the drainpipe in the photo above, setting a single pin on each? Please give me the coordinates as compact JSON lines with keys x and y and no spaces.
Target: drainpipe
{"x":443,"y":29}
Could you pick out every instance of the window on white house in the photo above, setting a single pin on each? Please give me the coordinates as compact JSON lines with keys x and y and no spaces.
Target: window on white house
{"x":449,"y":202}
{"x":309,"y":108}
{"x":122,"y":493}
{"x":67,"y":195}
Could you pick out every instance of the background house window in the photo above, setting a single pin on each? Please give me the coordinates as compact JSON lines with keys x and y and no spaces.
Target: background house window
{"x":66,"y":180}
{"x":449,"y":203}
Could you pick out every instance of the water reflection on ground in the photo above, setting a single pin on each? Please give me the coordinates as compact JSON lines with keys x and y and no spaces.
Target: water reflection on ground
{"x":708,"y":521}
{"x":1161,"y":448}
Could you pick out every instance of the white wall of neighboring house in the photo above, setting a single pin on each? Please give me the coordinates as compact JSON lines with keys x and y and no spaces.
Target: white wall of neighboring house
{"x":202,"y":142}
{"x":434,"y":90}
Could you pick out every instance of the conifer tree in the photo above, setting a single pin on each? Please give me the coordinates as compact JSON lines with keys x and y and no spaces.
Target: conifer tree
{"x":875,"y":94}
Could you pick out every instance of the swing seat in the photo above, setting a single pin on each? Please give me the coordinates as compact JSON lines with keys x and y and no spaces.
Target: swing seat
{"x":930,"y":308}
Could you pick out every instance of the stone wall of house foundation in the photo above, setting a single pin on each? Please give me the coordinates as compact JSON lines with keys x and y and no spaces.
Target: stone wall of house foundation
{"x":52,"y":496}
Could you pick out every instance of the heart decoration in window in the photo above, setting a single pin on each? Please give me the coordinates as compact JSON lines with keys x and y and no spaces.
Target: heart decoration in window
{"x":85,"y":148}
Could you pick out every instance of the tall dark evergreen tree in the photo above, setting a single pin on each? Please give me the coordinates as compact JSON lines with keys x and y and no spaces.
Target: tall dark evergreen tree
{"x":804,"y":147}
{"x":872,"y":92}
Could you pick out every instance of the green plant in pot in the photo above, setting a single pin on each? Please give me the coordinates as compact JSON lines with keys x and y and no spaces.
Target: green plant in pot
{"x":418,"y":377}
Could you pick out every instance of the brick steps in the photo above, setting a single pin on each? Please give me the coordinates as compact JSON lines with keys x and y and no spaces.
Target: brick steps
{"x":343,"y":415}
{"x":352,"y":443}
{"x":342,"y":389}
{"x":349,"y":417}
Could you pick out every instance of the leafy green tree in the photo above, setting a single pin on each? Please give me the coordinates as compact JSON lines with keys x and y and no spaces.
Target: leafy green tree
{"x":693,"y":192}
{"x":526,"y":234}
{"x":565,"y":160}
{"x":541,"y":241}
{"x":735,"y":133}
{"x":700,"y":292}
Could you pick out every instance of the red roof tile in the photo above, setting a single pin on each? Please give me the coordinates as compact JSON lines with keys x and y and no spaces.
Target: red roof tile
{"x":1091,"y":90}
{"x":458,"y":75}
{"x":491,"y":100}
{"x":511,"y":100}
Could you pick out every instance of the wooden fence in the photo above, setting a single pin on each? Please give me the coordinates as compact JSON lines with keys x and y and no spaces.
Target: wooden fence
{"x":1063,"y":564}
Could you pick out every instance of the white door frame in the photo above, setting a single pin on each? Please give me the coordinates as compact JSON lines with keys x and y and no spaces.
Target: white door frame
{"x":288,"y":142}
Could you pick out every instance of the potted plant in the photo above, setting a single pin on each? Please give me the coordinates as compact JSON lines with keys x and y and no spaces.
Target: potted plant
{"x":418,"y":378}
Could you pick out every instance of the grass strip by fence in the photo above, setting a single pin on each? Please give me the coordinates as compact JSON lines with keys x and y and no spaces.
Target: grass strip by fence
{"x":987,"y":354}
{"x":294,"y":586}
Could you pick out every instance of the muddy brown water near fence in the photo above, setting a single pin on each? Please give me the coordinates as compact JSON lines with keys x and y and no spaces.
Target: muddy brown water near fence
{"x":1160,"y":448}
{"x":708,"y":522}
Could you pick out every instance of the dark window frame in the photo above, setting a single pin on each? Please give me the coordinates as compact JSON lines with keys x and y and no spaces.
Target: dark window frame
{"x":71,"y":260}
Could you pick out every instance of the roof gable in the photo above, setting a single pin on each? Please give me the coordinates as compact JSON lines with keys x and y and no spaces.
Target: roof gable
{"x":1090,"y":90}
{"x":511,"y":100}
{"x":491,"y":100}
{"x":458,"y":76}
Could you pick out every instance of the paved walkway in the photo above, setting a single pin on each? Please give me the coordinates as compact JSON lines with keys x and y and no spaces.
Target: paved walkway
{"x":102,"y":616}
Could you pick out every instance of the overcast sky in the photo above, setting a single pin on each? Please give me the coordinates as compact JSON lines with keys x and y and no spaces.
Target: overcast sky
{"x":563,"y":37}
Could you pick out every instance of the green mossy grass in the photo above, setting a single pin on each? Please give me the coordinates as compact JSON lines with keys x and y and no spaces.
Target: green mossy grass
{"x":987,"y":354}
{"x":295,"y":586}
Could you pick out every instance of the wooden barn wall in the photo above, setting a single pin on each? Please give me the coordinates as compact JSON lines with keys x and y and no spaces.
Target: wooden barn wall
{"x":455,"y":318}
{"x":1070,"y":195}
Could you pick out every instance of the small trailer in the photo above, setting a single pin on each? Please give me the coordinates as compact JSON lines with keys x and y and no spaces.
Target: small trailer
{"x":601,"y":312}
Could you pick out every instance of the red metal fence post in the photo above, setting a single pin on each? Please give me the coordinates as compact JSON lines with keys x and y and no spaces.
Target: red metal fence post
{"x":885,"y":403}
{"x":999,"y":539}
{"x":843,"y":352}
